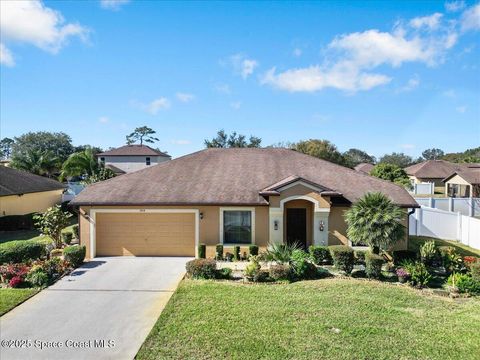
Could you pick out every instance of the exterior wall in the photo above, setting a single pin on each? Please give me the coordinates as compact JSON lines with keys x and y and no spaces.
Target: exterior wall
{"x":303,"y":204}
{"x":438,"y":183}
{"x":29,"y":203}
{"x":133,"y":163}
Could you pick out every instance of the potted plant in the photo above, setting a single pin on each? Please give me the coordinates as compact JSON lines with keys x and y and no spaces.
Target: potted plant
{"x":402,"y":275}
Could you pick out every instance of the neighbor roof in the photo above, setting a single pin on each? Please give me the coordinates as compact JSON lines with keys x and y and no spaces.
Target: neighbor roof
{"x":16,"y":182}
{"x":364,"y":167}
{"x":433,"y":169}
{"x":470,"y":174}
{"x":133,"y":150}
{"x":235,"y":177}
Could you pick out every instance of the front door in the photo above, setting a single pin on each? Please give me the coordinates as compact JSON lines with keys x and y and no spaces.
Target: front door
{"x":297,"y":227}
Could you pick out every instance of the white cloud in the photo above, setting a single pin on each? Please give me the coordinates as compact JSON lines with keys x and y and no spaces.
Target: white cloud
{"x":242,"y":65}
{"x":411,"y":84}
{"x":297,"y":52}
{"x":33,"y":23}
{"x":222,"y":88}
{"x":470,"y":19}
{"x":408,"y":146}
{"x":454,"y":6}
{"x":156,"y":105}
{"x":185,"y":97}
{"x":114,"y":5}
{"x":6,"y":57}
{"x":236,"y":105}
{"x":181,"y":142}
{"x":429,"y":22}
{"x":103,"y":119}
{"x":461,"y":109}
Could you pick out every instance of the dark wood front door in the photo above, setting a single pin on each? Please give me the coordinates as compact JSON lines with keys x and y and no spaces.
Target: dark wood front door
{"x":297,"y":226}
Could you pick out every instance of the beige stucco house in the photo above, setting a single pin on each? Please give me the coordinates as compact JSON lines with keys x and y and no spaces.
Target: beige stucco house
{"x":432,"y":171}
{"x":228,"y":196}
{"x":464,"y":183}
{"x":24,"y":193}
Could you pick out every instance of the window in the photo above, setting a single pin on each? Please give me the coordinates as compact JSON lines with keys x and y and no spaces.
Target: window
{"x":237,"y":227}
{"x":147,"y":161}
{"x":102,"y":160}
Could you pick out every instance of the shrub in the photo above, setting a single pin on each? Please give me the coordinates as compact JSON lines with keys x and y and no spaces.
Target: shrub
{"x":253,"y":250}
{"x":373,"y":265}
{"x":252,"y":269}
{"x":428,"y":252}
{"x":219,"y":252}
{"x":236,"y":253}
{"x":21,"y":251}
{"x":342,"y":257}
{"x":359,"y":256}
{"x":280,"y":253}
{"x":229,"y":256}
{"x":320,"y":254}
{"x":17,"y":222}
{"x":451,"y":260}
{"x":474,"y":268}
{"x":51,"y":223}
{"x":202,"y":269}
{"x":56,"y":252}
{"x":280,"y":272}
{"x":465,"y":283}
{"x":202,"y":251}
{"x":401,"y":255}
{"x":419,"y":275}
{"x":75,"y":254}
{"x":75,"y":231}
{"x":224,"y":273}
{"x":10,"y":271}
{"x":261,"y":276}
{"x":301,"y":267}
{"x":37,"y":277}
{"x":67,"y":238}
{"x":54,"y":268}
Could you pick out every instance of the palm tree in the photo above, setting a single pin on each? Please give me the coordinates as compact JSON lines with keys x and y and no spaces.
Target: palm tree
{"x":42,"y":163}
{"x":80,"y":164}
{"x":376,"y":221}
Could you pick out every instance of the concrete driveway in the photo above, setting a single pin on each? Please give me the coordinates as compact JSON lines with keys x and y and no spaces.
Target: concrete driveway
{"x":103,"y":310}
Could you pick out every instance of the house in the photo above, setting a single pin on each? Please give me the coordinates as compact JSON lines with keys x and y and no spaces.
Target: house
{"x":464,"y":183}
{"x":24,"y":193}
{"x":237,"y":196}
{"x":130,"y":158}
{"x":432,"y":171}
{"x":364,"y":167}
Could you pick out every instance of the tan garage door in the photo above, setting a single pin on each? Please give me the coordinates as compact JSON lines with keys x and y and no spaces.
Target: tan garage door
{"x":147,"y":234}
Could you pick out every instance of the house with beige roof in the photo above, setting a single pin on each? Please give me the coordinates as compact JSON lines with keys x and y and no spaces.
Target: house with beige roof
{"x":228,"y":196}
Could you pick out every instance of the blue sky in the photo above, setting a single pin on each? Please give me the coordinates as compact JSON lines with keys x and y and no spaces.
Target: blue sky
{"x":379,"y":76}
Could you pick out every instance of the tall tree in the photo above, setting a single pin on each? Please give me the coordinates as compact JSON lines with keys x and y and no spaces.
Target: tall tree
{"x":391,"y":173}
{"x":400,"y":159}
{"x":37,"y":162}
{"x":322,"y":149}
{"x":6,"y":148}
{"x":142,"y":134}
{"x":81,"y":163}
{"x":95,"y":149}
{"x":468,"y":156}
{"x":432,"y":154}
{"x":356,"y":156}
{"x":234,"y":140}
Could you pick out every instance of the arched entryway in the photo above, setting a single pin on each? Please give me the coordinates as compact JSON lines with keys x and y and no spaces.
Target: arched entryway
{"x":298,"y":222}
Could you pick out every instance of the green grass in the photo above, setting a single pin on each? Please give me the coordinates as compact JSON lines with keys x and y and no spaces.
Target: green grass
{"x":6,"y":236}
{"x":10,"y":298}
{"x":324,"y":319}
{"x":415,"y":242}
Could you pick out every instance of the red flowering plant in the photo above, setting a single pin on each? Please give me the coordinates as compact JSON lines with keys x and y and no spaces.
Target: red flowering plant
{"x":469,"y":260}
{"x":14,"y":274}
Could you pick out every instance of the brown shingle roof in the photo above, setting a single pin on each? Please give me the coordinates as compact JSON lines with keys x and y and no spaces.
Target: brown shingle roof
{"x":469,"y":174}
{"x":16,"y":182}
{"x":133,"y":150}
{"x":433,"y":169}
{"x":364,"y":167}
{"x":232,"y":176}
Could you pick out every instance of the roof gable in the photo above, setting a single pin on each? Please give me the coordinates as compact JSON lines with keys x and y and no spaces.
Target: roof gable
{"x":17,"y":182}
{"x":133,"y":150}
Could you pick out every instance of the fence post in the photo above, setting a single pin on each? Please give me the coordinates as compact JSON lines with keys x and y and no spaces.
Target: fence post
{"x":471,"y":208}
{"x":450,"y":204}
{"x":432,"y":189}
{"x":430,"y":202}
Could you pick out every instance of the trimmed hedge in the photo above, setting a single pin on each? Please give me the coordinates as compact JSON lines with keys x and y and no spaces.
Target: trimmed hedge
{"x":320,"y":254}
{"x":202,"y":269}
{"x":360,"y":256}
{"x":343,"y":258}
{"x":21,"y":251}
{"x":75,"y":255}
{"x":253,"y":250}
{"x":373,"y":265}
{"x":219,"y":252}
{"x":280,"y":272}
{"x":17,"y":222}
{"x":236,"y":253}
{"x":202,"y":251}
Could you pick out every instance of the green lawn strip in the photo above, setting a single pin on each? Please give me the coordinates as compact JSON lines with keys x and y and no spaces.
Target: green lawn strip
{"x":324,"y":319}
{"x":10,"y":298}
{"x":415,"y":242}
{"x":6,"y":236}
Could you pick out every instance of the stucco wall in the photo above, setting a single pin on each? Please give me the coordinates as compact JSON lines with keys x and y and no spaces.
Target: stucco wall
{"x":133,"y":163}
{"x":29,"y":203}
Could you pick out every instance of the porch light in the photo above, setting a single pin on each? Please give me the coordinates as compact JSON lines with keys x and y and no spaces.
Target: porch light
{"x":275,"y":224}
{"x":322,"y":225}
{"x":201,"y":216}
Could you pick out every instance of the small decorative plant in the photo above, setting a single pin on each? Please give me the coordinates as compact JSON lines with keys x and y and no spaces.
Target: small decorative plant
{"x":402,"y":275}
{"x":229,"y":257}
{"x":202,"y":250}
{"x":236,"y":253}
{"x":428,"y":252}
{"x":253,"y":250}
{"x":219,"y":252}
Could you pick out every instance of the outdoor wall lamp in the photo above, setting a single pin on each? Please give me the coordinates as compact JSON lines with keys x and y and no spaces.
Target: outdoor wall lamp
{"x":275,"y":224}
{"x":322,"y":225}
{"x":201,"y":216}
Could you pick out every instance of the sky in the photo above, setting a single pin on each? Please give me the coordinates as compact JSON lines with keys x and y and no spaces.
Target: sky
{"x":381,"y":76}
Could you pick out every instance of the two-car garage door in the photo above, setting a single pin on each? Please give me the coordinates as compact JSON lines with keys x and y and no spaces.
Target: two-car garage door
{"x":145,"y":234}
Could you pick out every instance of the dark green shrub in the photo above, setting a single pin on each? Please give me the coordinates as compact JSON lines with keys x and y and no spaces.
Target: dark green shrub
{"x":37,"y":277}
{"x":301,"y":267}
{"x":75,"y":254}
{"x":280,"y":253}
{"x":261,"y":276}
{"x":400,"y":255}
{"x":67,"y":238}
{"x":219,"y":252}
{"x":320,"y":254}
{"x":75,"y":231}
{"x":202,"y":269}
{"x":224,"y":273}
{"x":373,"y":265}
{"x":21,"y":251}
{"x":342,"y":257}
{"x":229,"y":256}
{"x":202,"y":251}
{"x":359,"y":256}
{"x":465,"y":283}
{"x":236,"y":253}
{"x":253,"y":250}
{"x":419,"y":275}
{"x":252,"y":269}
{"x":280,"y":272}
{"x":17,"y":222}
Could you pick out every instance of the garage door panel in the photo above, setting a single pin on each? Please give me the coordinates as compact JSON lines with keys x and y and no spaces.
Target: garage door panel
{"x":145,"y":234}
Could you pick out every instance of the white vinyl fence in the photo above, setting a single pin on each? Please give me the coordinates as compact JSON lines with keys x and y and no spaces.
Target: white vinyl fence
{"x":424,"y":189}
{"x":445,"y":225}
{"x":466,"y":206}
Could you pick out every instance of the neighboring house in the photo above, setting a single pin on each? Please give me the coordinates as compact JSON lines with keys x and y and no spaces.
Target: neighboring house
{"x":131,"y":158}
{"x":364,"y":168}
{"x":24,"y":193}
{"x":228,"y":196}
{"x":432,"y":171}
{"x":464,"y":183}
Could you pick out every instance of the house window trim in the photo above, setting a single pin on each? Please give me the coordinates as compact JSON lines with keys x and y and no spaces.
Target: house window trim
{"x":237,"y":208}
{"x":148,"y":161}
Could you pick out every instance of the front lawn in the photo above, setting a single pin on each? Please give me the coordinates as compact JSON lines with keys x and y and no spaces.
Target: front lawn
{"x":6,"y":236}
{"x":334,"y":318}
{"x":414,"y":243}
{"x":10,"y":298}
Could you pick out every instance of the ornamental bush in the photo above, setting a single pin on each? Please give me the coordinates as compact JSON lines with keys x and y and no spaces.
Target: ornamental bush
{"x":37,"y":277}
{"x":202,"y":269}
{"x":252,"y":269}
{"x":253,"y":250}
{"x":67,"y":238}
{"x":75,"y":254}
{"x":224,"y":273}
{"x":202,"y":251}
{"x":51,"y":223}
{"x":419,"y":274}
{"x":236,"y":253}
{"x":320,"y":255}
{"x":219,"y":252}
{"x":280,"y":272}
{"x":342,"y":257}
{"x":373,"y":265}
{"x":465,"y":283}
{"x":428,"y":253}
{"x":21,"y":251}
{"x":301,"y":267}
{"x":359,"y":256}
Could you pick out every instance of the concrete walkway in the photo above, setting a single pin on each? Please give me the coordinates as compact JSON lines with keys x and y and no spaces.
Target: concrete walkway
{"x":103,"y":310}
